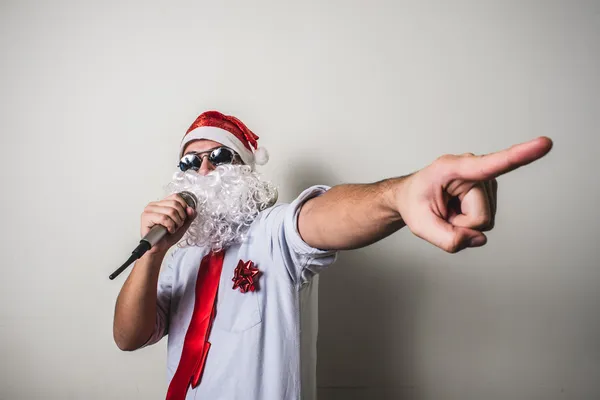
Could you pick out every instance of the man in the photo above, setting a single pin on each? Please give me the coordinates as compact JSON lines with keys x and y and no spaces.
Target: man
{"x":233,"y":295}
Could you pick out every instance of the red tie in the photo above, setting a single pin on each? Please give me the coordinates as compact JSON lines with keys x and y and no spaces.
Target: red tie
{"x":196,"y":345}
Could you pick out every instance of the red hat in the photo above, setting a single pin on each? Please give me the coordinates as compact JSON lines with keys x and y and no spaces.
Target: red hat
{"x":230,"y":132}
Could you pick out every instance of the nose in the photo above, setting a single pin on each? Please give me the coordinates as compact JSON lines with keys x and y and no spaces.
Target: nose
{"x":206,"y":167}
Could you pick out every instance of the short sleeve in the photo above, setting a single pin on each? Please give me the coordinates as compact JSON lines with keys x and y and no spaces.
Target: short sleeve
{"x":301,"y":261}
{"x":163,"y":298}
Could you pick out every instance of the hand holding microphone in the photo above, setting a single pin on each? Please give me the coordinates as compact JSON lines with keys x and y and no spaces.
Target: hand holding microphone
{"x":163,"y":224}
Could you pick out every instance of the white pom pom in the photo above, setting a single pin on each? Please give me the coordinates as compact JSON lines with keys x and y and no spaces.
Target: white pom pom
{"x":261,"y":156}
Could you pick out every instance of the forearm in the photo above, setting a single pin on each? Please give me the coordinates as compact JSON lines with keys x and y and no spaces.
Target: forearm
{"x":351,"y":216}
{"x":135,"y":311}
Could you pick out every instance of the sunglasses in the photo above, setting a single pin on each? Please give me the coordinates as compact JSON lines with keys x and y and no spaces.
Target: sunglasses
{"x":217,"y":156}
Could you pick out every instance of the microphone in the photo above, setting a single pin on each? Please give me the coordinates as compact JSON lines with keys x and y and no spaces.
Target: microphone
{"x":154,"y":236}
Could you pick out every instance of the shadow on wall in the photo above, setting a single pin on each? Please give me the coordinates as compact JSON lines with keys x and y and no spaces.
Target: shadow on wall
{"x":366,"y":317}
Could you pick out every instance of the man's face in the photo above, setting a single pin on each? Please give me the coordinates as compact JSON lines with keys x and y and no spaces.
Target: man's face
{"x":230,"y":196}
{"x":200,"y":146}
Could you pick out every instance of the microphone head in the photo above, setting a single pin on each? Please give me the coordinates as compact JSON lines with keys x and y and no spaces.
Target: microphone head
{"x":189,"y":198}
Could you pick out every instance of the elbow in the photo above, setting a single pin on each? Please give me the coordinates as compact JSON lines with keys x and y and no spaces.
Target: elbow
{"x":124,"y":343}
{"x":125,"y":346}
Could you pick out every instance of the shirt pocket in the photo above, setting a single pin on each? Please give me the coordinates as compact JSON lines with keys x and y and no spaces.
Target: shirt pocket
{"x":236,"y":311}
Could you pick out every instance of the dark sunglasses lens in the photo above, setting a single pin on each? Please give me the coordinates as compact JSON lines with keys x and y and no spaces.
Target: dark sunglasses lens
{"x":190,"y":161}
{"x":221,"y":156}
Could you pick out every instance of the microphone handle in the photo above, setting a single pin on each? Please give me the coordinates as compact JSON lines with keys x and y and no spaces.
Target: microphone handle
{"x":156,"y":233}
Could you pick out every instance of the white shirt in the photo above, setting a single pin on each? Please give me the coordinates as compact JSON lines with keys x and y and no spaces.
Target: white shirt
{"x":263,"y":343}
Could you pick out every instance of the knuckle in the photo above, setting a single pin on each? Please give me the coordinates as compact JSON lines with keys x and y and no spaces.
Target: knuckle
{"x":454,"y":245}
{"x":175,"y":204}
{"x":449,"y":245}
{"x":450,"y":248}
{"x":487,"y":221}
{"x":445,"y":158}
{"x":482,"y":220}
{"x":175,"y":217}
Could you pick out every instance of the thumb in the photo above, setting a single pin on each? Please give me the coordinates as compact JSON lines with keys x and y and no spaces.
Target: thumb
{"x":191,"y":216}
{"x":452,"y":239}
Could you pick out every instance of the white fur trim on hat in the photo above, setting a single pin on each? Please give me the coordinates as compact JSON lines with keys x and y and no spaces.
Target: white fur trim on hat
{"x":261,"y":156}
{"x":222,"y":136}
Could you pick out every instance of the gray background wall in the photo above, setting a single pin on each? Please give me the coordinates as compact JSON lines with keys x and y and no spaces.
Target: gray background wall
{"x":95,"y":97}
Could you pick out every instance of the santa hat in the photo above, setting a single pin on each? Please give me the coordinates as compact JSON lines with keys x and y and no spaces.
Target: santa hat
{"x":230,"y":132}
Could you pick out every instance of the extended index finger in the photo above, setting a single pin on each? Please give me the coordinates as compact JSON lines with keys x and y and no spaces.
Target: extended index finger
{"x":492,"y":165}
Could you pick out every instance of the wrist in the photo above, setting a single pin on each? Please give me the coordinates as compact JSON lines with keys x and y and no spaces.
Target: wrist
{"x":392,"y":195}
{"x":154,"y":255}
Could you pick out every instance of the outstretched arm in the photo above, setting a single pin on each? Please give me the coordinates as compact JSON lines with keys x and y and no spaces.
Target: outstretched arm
{"x":449,"y":203}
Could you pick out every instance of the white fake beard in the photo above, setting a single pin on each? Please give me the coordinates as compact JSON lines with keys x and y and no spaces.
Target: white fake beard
{"x":229,"y":200}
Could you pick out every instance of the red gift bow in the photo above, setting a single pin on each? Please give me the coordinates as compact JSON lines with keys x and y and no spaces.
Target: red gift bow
{"x":245,"y":276}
